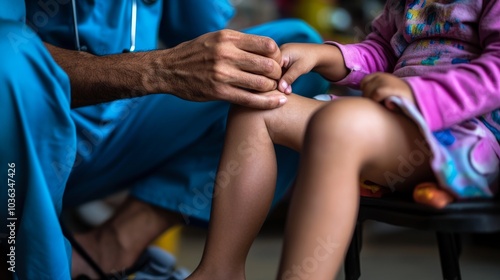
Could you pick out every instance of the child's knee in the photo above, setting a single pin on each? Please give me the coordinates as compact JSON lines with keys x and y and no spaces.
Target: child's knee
{"x":347,"y":120}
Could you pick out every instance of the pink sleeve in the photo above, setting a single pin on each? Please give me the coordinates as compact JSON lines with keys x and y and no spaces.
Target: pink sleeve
{"x":374,"y":54}
{"x":469,"y":90}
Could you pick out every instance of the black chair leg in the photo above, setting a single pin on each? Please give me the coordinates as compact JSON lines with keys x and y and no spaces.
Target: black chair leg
{"x":458,"y":244}
{"x":449,"y":250}
{"x":352,"y":268}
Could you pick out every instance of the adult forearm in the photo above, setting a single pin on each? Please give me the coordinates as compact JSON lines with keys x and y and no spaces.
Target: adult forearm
{"x":225,"y":65}
{"x":98,"y":79}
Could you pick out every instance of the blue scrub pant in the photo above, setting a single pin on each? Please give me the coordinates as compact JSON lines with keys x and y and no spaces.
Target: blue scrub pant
{"x":165,"y":149}
{"x":36,"y":130}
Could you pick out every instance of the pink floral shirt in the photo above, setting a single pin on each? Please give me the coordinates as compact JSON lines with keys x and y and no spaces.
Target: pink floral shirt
{"x":447,"y":50}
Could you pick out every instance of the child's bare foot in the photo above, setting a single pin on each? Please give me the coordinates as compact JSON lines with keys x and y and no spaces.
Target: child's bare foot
{"x":430,"y":194}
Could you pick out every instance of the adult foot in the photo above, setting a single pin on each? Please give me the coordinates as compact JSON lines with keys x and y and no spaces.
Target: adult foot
{"x":116,"y":245}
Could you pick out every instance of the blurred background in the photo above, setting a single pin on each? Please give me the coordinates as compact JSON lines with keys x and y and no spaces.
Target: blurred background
{"x":389,"y":253}
{"x":344,"y":21}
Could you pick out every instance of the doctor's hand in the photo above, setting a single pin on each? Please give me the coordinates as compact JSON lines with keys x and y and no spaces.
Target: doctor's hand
{"x":224,"y":65}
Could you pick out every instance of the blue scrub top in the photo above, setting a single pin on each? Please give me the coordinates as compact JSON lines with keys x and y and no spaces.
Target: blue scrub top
{"x":104,"y":26}
{"x":12,"y":10}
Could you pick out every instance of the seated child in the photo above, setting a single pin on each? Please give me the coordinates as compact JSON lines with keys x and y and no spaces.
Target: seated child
{"x":430,"y":76}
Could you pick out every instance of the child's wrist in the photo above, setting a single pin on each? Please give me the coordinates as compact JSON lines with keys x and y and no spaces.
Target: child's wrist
{"x":330,"y":63}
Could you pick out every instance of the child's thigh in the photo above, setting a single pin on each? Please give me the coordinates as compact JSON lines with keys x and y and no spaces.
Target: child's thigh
{"x":402,"y":157}
{"x":391,"y":149}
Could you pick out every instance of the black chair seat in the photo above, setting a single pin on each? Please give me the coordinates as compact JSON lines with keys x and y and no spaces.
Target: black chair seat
{"x":481,"y":216}
{"x":459,"y":217}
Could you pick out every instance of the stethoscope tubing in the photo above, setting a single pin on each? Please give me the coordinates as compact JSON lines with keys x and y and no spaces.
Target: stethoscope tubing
{"x":75,"y":26}
{"x":133,"y":26}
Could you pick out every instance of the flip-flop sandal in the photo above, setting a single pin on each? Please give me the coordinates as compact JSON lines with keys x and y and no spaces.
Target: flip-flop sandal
{"x":153,"y":263}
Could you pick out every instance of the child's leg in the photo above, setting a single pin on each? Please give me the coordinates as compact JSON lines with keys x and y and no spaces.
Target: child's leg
{"x":245,"y":182}
{"x":346,"y":139}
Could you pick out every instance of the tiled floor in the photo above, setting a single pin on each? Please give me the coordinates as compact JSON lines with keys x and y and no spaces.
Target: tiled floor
{"x":389,"y":253}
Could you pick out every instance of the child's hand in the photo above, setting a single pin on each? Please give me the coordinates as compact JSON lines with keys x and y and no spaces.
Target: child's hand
{"x":379,"y":86}
{"x":296,"y":59}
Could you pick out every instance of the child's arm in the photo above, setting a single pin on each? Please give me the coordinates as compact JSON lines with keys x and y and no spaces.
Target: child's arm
{"x":374,"y":54}
{"x":343,"y":64}
{"x":469,"y":90}
{"x":299,"y":59}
